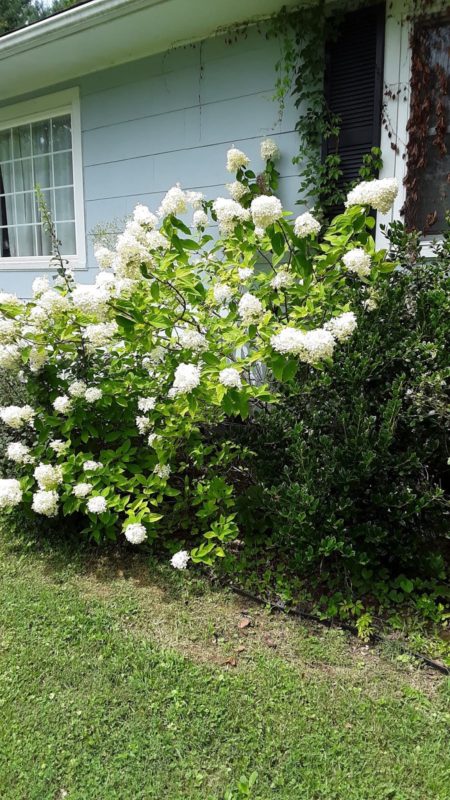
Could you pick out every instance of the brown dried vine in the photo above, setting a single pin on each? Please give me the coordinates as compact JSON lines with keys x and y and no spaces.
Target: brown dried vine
{"x":428,"y":121}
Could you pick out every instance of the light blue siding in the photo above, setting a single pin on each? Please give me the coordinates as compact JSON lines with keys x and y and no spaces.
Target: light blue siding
{"x":171,"y":117}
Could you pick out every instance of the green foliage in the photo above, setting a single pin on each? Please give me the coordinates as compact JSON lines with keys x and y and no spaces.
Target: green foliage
{"x":351,"y":468}
{"x":129,"y":379}
{"x":17,"y":13}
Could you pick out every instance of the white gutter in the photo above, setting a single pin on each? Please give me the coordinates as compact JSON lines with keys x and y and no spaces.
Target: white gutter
{"x":73,"y":20}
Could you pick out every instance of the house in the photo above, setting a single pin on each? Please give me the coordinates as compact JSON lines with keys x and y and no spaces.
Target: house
{"x":112,"y":102}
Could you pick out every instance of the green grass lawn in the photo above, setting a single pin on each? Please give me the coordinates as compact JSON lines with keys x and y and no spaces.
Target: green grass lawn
{"x":124,"y":683}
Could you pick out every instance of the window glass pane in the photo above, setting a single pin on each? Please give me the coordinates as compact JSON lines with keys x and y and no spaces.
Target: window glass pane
{"x":6,"y":178}
{"x":5,"y":145}
{"x":42,"y":171}
{"x":21,"y":141}
{"x":7,"y":210}
{"x":61,"y":131}
{"x":23,"y":175}
{"x":62,"y":165}
{"x":25,"y":208}
{"x":49,"y":202}
{"x":434,"y":192}
{"x":8,"y":247}
{"x":25,"y":240}
{"x":64,"y":209}
{"x":44,"y":242}
{"x":66,"y":233}
{"x":36,"y":154}
{"x":41,"y":137}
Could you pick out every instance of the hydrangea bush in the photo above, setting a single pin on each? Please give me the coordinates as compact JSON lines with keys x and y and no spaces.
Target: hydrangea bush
{"x":127,"y":377}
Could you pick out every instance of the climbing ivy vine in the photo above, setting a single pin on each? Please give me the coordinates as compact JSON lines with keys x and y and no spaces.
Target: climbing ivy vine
{"x":303,"y":33}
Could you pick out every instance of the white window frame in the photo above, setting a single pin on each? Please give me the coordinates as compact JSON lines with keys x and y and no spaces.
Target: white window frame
{"x":44,"y":107}
{"x":397,"y":76}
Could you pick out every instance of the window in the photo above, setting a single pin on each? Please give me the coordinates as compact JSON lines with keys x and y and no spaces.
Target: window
{"x":40,"y":146}
{"x":428,"y":175}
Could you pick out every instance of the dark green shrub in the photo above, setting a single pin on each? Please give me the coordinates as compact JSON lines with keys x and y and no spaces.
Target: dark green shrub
{"x":350,"y":473}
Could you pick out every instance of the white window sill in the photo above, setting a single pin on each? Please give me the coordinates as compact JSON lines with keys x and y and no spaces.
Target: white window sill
{"x":38,"y":263}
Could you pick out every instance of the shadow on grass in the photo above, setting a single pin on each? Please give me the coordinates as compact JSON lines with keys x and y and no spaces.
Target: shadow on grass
{"x":64,"y":553}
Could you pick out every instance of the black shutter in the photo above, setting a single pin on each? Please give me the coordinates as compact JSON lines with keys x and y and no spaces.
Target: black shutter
{"x":354,"y":88}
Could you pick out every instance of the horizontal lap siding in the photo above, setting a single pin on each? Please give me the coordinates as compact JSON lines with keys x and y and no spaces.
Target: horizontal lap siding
{"x":171,"y":117}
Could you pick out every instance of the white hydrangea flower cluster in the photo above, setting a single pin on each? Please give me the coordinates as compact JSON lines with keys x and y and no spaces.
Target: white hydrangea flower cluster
{"x":53,"y":303}
{"x":143,"y":424}
{"x":357,"y":261}
{"x":58,"y":446}
{"x":152,"y":439}
{"x":9,"y":299}
{"x":191,"y":340}
{"x":195,"y":199}
{"x":37,"y":359}
{"x":162,"y":471}
{"x":146,"y":404}
{"x":45,"y":502}
{"x":17,"y":416}
{"x":310,"y":346}
{"x":63,"y":404}
{"x":229,"y":213}
{"x":143,"y":216}
{"x":281,"y":280}
{"x":92,"y":466}
{"x":230,"y":378}
{"x":130,"y":254}
{"x":222,"y":293}
{"x":180,"y":560}
{"x":174,"y":202}
{"x":200,"y":219}
{"x":91,"y":300}
{"x":237,"y":190}
{"x":342,"y":326}
{"x":93,"y":394}
{"x":82,"y":489}
{"x":48,"y":477}
{"x":265,"y":210}
{"x":9,"y":357}
{"x":10,"y":493}
{"x":306,"y":225}
{"x":187,"y":378}
{"x":20,"y":453}
{"x":270,"y":150}
{"x":100,"y":334}
{"x":8,"y":330}
{"x":77,"y":389}
{"x":236,"y":160}
{"x":39,"y":286}
{"x":245,"y":273}
{"x":249,"y":308}
{"x":135,"y":533}
{"x":156,"y":356}
{"x":155,"y":240}
{"x":105,"y":258}
{"x":97,"y":505}
{"x":378,"y":193}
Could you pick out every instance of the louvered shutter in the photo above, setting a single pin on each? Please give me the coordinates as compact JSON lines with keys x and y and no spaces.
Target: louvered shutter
{"x":354,"y":88}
